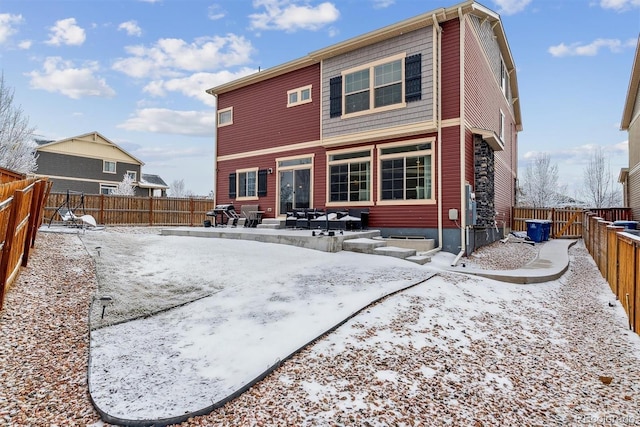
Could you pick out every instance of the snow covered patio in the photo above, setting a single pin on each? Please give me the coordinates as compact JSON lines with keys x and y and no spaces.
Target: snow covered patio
{"x":207,"y":318}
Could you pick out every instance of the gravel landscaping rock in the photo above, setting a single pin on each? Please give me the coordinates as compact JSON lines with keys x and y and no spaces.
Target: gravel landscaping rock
{"x":557,"y":353}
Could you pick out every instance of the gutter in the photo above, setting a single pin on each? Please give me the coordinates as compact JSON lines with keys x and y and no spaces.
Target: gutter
{"x":215,"y":154}
{"x":438,"y":30}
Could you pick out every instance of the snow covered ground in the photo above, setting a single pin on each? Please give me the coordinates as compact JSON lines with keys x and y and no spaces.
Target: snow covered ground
{"x":454,"y":350}
{"x":253,"y":304}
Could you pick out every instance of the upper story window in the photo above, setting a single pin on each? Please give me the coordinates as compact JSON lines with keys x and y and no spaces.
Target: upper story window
{"x":225,"y":117}
{"x":406,"y":171}
{"x":379,"y":86}
{"x":108,"y":166}
{"x":133,"y":175}
{"x":375,"y":86}
{"x":350,"y":176}
{"x":301,"y":95}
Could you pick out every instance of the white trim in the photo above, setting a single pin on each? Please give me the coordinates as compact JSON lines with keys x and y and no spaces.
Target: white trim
{"x":370,"y":66}
{"x":246,"y":171}
{"x":111,"y":186}
{"x":104,"y":164}
{"x":428,"y":152}
{"x":222,"y":111}
{"x":369,"y":158}
{"x":298,"y":92}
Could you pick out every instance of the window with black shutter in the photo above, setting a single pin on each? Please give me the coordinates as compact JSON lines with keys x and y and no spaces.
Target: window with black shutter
{"x":232,"y":185}
{"x":413,"y":78}
{"x":335,"y":97}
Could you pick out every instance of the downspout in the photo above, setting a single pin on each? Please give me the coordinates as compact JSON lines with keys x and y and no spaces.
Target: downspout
{"x":438,"y":34}
{"x":463,"y":205}
{"x":215,"y":155}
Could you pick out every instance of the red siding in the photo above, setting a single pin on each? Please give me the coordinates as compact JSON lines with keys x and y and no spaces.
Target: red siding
{"x":261,"y":118}
{"x":451,"y":69}
{"x":483,"y":101}
{"x":265,"y":162}
{"x":409,"y":216}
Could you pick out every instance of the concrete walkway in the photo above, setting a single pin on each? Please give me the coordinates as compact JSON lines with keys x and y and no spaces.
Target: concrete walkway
{"x":551,"y":263}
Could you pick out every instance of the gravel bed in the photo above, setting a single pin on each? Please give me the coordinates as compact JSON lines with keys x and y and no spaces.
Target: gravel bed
{"x":558,"y":353}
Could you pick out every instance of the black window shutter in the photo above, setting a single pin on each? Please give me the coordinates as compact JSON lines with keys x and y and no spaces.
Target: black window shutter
{"x":413,"y":78}
{"x":262,"y":182}
{"x":335,"y":97}
{"x":232,"y":185}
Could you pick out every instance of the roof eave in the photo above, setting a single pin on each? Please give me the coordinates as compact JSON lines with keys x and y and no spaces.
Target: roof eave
{"x":634,"y":85}
{"x":411,"y":24}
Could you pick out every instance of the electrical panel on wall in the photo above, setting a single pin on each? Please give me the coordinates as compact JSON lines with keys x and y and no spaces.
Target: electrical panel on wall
{"x":470,"y":198}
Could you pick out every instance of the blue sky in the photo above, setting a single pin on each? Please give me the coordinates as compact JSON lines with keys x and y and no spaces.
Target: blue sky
{"x":136,"y":71}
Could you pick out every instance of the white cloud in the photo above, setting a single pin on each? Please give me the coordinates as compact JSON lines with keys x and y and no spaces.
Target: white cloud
{"x":581,"y":154}
{"x":131,"y":27}
{"x":591,"y":49}
{"x":382,"y":4}
{"x":511,"y":7}
{"x":289,"y":16}
{"x":8,"y":25}
{"x":215,"y":12}
{"x":162,"y":120}
{"x":195,"y":86}
{"x":25,"y":44}
{"x":59,"y":76}
{"x":170,"y":57}
{"x":66,"y":32}
{"x":619,"y":5}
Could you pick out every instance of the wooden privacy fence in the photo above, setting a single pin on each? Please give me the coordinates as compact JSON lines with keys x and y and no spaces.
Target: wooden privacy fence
{"x":20,"y":216}
{"x":130,"y":210}
{"x":617,"y":255}
{"x":566,"y":222}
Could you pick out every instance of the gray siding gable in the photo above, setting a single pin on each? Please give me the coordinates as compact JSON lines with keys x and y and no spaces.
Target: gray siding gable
{"x":419,"y":41}
{"x":491,"y":49}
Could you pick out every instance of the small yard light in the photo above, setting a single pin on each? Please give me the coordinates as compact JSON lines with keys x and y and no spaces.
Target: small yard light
{"x":105,"y":300}
{"x":98,"y":249}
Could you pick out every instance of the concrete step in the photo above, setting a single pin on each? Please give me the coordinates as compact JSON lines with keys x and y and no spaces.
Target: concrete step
{"x":271,"y":223}
{"x":419,"y":259}
{"x":395,"y":251}
{"x":361,"y":245}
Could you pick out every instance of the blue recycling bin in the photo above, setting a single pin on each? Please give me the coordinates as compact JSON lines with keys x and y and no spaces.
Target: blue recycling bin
{"x":632,"y":225}
{"x":546,"y":230}
{"x":535,"y":230}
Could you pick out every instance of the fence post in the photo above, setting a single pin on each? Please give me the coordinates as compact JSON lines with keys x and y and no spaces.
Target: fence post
{"x":8,"y":242}
{"x":151,"y":211}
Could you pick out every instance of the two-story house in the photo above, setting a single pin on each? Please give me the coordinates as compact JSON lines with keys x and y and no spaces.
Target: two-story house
{"x":417,"y":122}
{"x":92,"y":164}
{"x":630,"y":177}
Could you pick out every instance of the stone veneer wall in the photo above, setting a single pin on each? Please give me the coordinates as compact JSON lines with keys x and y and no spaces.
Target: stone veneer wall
{"x":484,"y":183}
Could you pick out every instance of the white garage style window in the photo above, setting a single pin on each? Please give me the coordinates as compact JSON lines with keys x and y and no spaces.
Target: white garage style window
{"x":406,"y":171}
{"x":350,"y":176}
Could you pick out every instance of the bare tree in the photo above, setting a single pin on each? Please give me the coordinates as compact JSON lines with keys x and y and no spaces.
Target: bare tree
{"x":126,"y":187}
{"x":540,"y":188}
{"x":17,"y":150}
{"x":599,"y":187}
{"x":176,"y":189}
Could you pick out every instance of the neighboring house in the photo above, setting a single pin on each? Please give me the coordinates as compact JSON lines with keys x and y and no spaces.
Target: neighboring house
{"x":416,"y":122}
{"x":630,"y":177}
{"x":90,"y":164}
{"x":152,"y":186}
